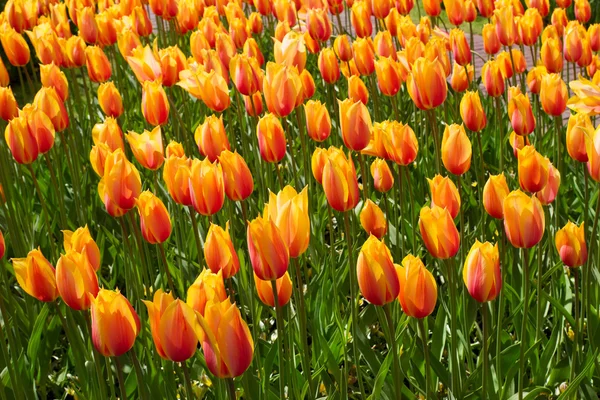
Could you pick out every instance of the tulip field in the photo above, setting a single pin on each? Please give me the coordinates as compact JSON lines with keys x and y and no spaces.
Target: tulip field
{"x":299,"y":199}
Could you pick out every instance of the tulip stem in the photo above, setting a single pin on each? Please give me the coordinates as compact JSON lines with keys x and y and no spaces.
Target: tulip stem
{"x":119,"y":368}
{"x":166,"y":264}
{"x":398,"y":380}
{"x":454,"y":331}
{"x":576,"y":327}
{"x":44,"y":209}
{"x":139,"y":375}
{"x":231,"y":388}
{"x":188,"y":381}
{"x":279,"y":322}
{"x":304,"y":329}
{"x":412,"y":209}
{"x":424,"y":341}
{"x":196,"y":235}
{"x":399,"y":238}
{"x":500,"y":132}
{"x":58,"y":189}
{"x":353,"y":303}
{"x":538,"y":316}
{"x":434,"y":129}
{"x":363,"y":176}
{"x":558,"y":127}
{"x":480,"y":185}
{"x":522,"y":377}
{"x":484,"y":371}
{"x":97,"y":362}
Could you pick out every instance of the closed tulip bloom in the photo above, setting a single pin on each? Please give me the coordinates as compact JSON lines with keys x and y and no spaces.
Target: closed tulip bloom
{"x":377,"y":277}
{"x":328,"y":65}
{"x":155,"y":222}
{"x":402,"y":146}
{"x":108,"y":133}
{"x":265,"y":290}
{"x":318,"y":123}
{"x":317,"y":163}
{"x":384,"y":45}
{"x":388,"y":76}
{"x":494,"y":193}
{"x":219,"y":253}
{"x":364,"y":56}
{"x":246,"y":74}
{"x":583,"y":11}
{"x":521,"y":114}
{"x":491,"y":43}
{"x":308,"y":87}
{"x":155,"y":105}
{"x":128,"y":40}
{"x":208,"y":286}
{"x":533,"y":169}
{"x":271,"y":138}
{"x":572,"y":46}
{"x":506,"y":28}
{"x":481,"y":272}
{"x":319,"y":25}
{"x":115,"y":324}
{"x":460,"y":46}
{"x":86,"y":22}
{"x":517,"y":142}
{"x":8,"y":104}
{"x":439,"y":232}
{"x":426,"y":84}
{"x":35,"y":275}
{"x":255,"y":23}
{"x":282,"y":86}
{"x":291,"y":51}
{"x":98,"y":66}
{"x":360,"y":17}
{"x":460,"y":81}
{"x":551,"y":55}
{"x":472,"y":112}
{"x":343,"y":48}
{"x":111,"y":207}
{"x":594,"y":36}
{"x":76,"y":280}
{"x":107,"y":28}
{"x":52,"y":76}
{"x":40,"y":126}
{"x":269,"y":253}
{"x":21,"y":141}
{"x":237,"y":177}
{"x":550,"y":191}
{"x":372,"y":220}
{"x":444,"y":194}
{"x":418,"y":290}
{"x":253,"y":104}
{"x":492,"y":78}
{"x":433,"y":8}
{"x":383,"y":179}
{"x":15,"y":47}
{"x":455,"y":9}
{"x":578,"y":127}
{"x":355,"y":123}
{"x":587,"y":57}
{"x":172,"y":62}
{"x":121,"y":179}
{"x":211,"y":138}
{"x":530,"y":27}
{"x":289,"y":210}
{"x":456,"y":149}
{"x":207,"y":190}
{"x":48,"y":101}
{"x":110,"y":100}
{"x":571,"y":246}
{"x":523,"y":219}
{"x":534,"y":78}
{"x":357,"y":90}
{"x":147,"y":148}
{"x":553,"y":94}
{"x":82,"y":241}
{"x":486,"y":8}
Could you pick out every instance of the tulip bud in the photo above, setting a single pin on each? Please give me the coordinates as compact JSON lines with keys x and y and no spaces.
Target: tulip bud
{"x":534,"y":78}
{"x":357,"y":90}
{"x":494,"y":193}
{"x":533,"y":169}
{"x":207,"y":287}
{"x":110,"y":100}
{"x":472,"y":112}
{"x":523,"y":219}
{"x":433,"y":8}
{"x":40,"y":126}
{"x":269,"y":253}
{"x":571,"y":246}
{"x":439,"y":232}
{"x":550,"y":191}
{"x":491,"y":43}
{"x":553,"y":94}
{"x":343,"y":48}
{"x":578,"y":127}
{"x":308,"y":87}
{"x":8,"y":104}
{"x":506,"y":28}
{"x":317,"y":163}
{"x":318,"y":23}
{"x":289,"y":211}
{"x":155,"y":223}
{"x":265,"y":290}
{"x":21,"y":141}
{"x":47,"y":100}
{"x":253,"y":104}
{"x":52,"y":76}
{"x":115,"y":324}
{"x":271,"y":138}
{"x":521,"y":114}
{"x":460,"y":46}
{"x":492,"y":78}
{"x":481,"y":272}
{"x":246,"y":74}
{"x":456,"y":149}
{"x":426,"y":84}
{"x":444,"y":194}
{"x":98,"y":66}
{"x":207,"y":190}
{"x":291,"y":51}
{"x":219,"y":252}
{"x":35,"y":274}
{"x":402,"y":146}
{"x":318,"y":123}
{"x":328,"y":66}
{"x":236,"y":175}
{"x":121,"y":179}
{"x":355,"y":123}
{"x":340,"y":181}
{"x":388,"y":76}
{"x":147,"y":148}
{"x":82,"y":242}
{"x":76,"y":280}
{"x":372,"y":220}
{"x":551,"y":55}
{"x":360,"y":17}
{"x":418,"y":290}
{"x":377,"y":277}
{"x":211,"y":138}
{"x":594,"y":35}
{"x":383,"y":179}
{"x":155,"y":105}
{"x":2,"y":243}
{"x":282,"y":87}
{"x":364,"y":56}
{"x":15,"y":47}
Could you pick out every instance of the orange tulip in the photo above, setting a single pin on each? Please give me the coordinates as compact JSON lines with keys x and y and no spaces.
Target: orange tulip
{"x":534,"y":78}
{"x":583,"y":11}
{"x":494,"y":193}
{"x":439,"y":232}
{"x":328,"y":65}
{"x":426,"y":84}
{"x":460,"y":81}
{"x":269,"y":253}
{"x":40,"y":126}
{"x":372,"y":220}
{"x":224,"y":48}
{"x":533,"y":169}
{"x":523,"y":219}
{"x":48,"y":101}
{"x":271,"y":138}
{"x":308,"y":87}
{"x":219,"y":252}
{"x":460,"y":45}
{"x":550,"y":191}
{"x":319,"y":25}
{"x":530,"y":27}
{"x":517,"y":142}
{"x":172,"y":326}
{"x":383,"y":179}
{"x":76,"y":280}
{"x":282,"y":87}
{"x":572,"y":46}
{"x":318,"y":123}
{"x":121,"y":180}
{"x":291,"y":51}
{"x":481,"y":272}
{"x":471,"y":111}
{"x":455,"y":9}
{"x":433,"y":8}
{"x":587,"y":96}
{"x":172,"y":62}
{"x":98,"y":66}
{"x":253,"y":104}
{"x":246,"y":74}
{"x":553,"y":94}
{"x":578,"y":127}
{"x":86,"y":22}
{"x":207,"y":190}
{"x":52,"y":76}
{"x":377,"y":277}
{"x":506,"y":28}
{"x":317,"y":163}
{"x":147,"y":148}
{"x":255,"y":23}
{"x":108,"y":133}
{"x":155,"y":105}
{"x":110,"y":100}
{"x":491,"y":43}
{"x":492,"y":78}
{"x":343,"y":48}
{"x":8,"y":104}
{"x":15,"y":47}
{"x":236,"y":175}
{"x":35,"y":274}
{"x":111,"y":207}
{"x":444,"y":194}
{"x":384,"y":45}
{"x":82,"y":242}
{"x":265,"y":290}
{"x":551,"y":55}
{"x":521,"y":114}
{"x":571,"y":246}
{"x":456,"y":149}
{"x":115,"y":324}
{"x":21,"y":141}
{"x":155,"y":223}
{"x":207,"y":287}
{"x":418,"y":290}
{"x":357,"y":90}
{"x":402,"y":146}
{"x":107,"y":29}
{"x":364,"y":56}
{"x":211,"y":138}
{"x":360,"y":17}
{"x":388,"y":76}
{"x":355,"y":123}
{"x":594,"y":35}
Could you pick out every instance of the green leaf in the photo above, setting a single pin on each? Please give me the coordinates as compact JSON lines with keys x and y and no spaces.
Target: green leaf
{"x":380,"y":378}
{"x":579,"y":378}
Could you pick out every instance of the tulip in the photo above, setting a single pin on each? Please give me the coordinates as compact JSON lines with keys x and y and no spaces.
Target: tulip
{"x":86,"y":22}
{"x":76,"y":280}
{"x":372,"y":220}
{"x":219,"y":252}
{"x":155,"y":223}
{"x":570,"y":244}
{"x":291,"y":51}
{"x":594,"y":35}
{"x":269,"y":253}
{"x":236,"y":175}
{"x":108,"y":133}
{"x":211,"y":138}
{"x":319,"y":25}
{"x":583,"y":11}
{"x":253,"y":104}
{"x":384,"y":46}
{"x":494,"y":193}
{"x":107,"y":29}
{"x":418,"y":290}
{"x":155,"y":105}
{"x":383,"y":179}
{"x":255,"y":23}
{"x":533,"y":169}
{"x":207,"y":287}
{"x":587,"y":58}
{"x":472,"y":112}
{"x":517,"y":142}
{"x":551,"y":55}
{"x":81,"y":241}
{"x":402,"y":145}
{"x":328,"y":66}
{"x":460,"y":46}
{"x":357,"y":90}
{"x":343,"y":48}
{"x":534,"y":78}
{"x":481,"y":272}
{"x":578,"y":127}
{"x":147,"y":148}
{"x":587,"y":97}
{"x":439,"y":232}
{"x":523,"y":219}
{"x":111,"y":207}
{"x":40,"y":126}
{"x":172,"y":62}
{"x":506,"y":28}
{"x":521,"y":114}
{"x":388,"y":76}
{"x":426,"y":84}
{"x":128,"y":40}
{"x":340,"y":182}
{"x":355,"y":123}
{"x":98,"y":66}
{"x":246,"y":74}
{"x":553,"y":95}
{"x":271,"y":138}
{"x":8,"y":105}
{"x":364,"y":56}
{"x":52,"y":76}
{"x":433,"y":8}
{"x":317,"y":163}
{"x":491,"y":43}
{"x":572,"y":47}
{"x":377,"y":277}
{"x":360,"y":17}
{"x":308,"y":87}
{"x":35,"y":274}
{"x":550,"y":191}
{"x":110,"y":100}
{"x":318,"y":123}
{"x":226,"y":340}
{"x":456,"y":149}
{"x":115,"y":324}
{"x":444,"y":194}
{"x":48,"y":101}
{"x":21,"y":141}
{"x":460,"y":81}
{"x":265,"y":290}
{"x":207,"y":190}
{"x":15,"y":47}
{"x":121,"y":179}
{"x":282,"y":87}
{"x":492,"y":78}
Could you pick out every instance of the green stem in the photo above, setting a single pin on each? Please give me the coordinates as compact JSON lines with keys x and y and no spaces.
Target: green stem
{"x":484,"y":322}
{"x":538,"y":316}
{"x":576,"y":328}
{"x":166,"y":264}
{"x":231,"y":388}
{"x":119,"y":368}
{"x":139,"y":375}
{"x":364,"y":176}
{"x":424,"y":341}
{"x":188,"y":381}
{"x":522,"y":376}
{"x":44,"y":210}
{"x":304,"y":330}
{"x":480,"y":185}
{"x":434,"y":128}
{"x":279,"y":322}
{"x":97,"y":362}
{"x":413,"y":227}
{"x":454,"y":331}
{"x":399,"y":236}
{"x":58,"y":188}
{"x":196,"y":235}
{"x":398,"y":381}
{"x":500,"y":132}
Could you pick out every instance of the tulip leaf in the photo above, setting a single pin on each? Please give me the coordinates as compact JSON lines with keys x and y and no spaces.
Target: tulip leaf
{"x":560,"y":308}
{"x":574,"y":385}
{"x":380,"y":378}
